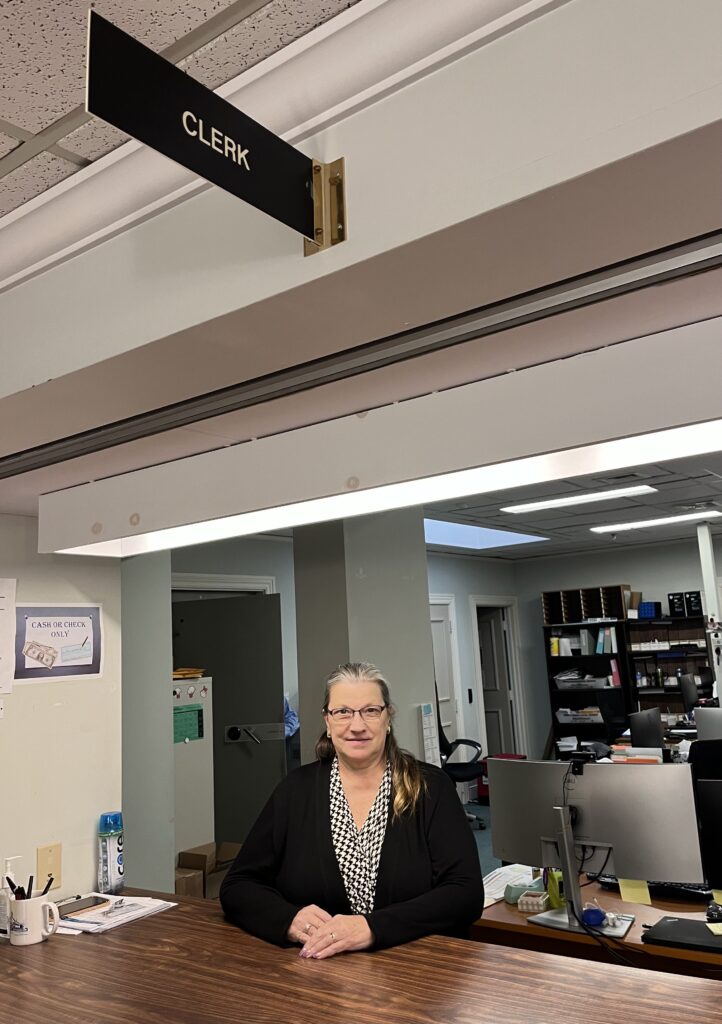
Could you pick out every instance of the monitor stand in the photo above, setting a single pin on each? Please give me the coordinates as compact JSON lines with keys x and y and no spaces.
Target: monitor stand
{"x":568,"y":918}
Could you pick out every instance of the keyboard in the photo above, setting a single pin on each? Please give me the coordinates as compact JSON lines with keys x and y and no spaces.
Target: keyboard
{"x":692,"y":891}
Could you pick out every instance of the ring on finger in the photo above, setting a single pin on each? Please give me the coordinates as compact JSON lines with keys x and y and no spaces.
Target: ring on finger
{"x":307,"y":926}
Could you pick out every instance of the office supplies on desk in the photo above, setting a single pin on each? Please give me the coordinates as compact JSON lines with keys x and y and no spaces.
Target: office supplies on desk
{"x":32,"y":920}
{"x":114,"y":911}
{"x":496,"y":882}
{"x":542,"y":811}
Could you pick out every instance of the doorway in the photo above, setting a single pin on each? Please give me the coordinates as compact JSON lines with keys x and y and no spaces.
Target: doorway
{"x":236,"y":639}
{"x":494,"y":622}
{"x":446,"y":666}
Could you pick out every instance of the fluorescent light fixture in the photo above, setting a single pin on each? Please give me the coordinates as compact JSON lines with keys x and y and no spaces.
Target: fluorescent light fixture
{"x":675,"y":443}
{"x":476,"y":538}
{"x":644,"y":523}
{"x":580,"y":499}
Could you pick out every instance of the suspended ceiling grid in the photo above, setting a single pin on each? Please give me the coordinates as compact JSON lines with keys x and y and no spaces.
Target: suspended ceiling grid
{"x":683,"y":486}
{"x":45,"y":134}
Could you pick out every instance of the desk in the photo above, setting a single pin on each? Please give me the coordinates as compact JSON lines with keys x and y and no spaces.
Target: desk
{"x":504,"y":924}
{"x":188,"y":966}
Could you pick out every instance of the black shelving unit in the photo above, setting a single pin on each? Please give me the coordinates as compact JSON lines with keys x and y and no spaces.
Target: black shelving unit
{"x":613,"y":703}
{"x":659,"y":650}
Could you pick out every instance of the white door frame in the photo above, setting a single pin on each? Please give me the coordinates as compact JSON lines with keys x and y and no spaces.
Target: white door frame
{"x":450,"y":601}
{"x":519,"y":703}
{"x":222,"y":581}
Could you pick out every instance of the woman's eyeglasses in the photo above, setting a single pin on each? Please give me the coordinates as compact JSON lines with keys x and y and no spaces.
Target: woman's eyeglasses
{"x":370,"y":714}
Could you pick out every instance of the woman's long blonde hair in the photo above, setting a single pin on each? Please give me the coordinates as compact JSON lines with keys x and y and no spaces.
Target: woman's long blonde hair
{"x":406,"y":778}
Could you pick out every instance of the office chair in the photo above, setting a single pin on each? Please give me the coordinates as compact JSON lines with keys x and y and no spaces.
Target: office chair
{"x":705,"y":759}
{"x":646,"y":728}
{"x":460,"y":771}
{"x":614,"y":715}
{"x":688,"y":690}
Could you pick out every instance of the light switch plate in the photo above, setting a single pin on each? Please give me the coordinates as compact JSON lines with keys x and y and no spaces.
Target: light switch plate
{"x":49,"y":862}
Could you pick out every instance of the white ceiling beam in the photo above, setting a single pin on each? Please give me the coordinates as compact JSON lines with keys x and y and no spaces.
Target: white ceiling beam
{"x":478,"y":425}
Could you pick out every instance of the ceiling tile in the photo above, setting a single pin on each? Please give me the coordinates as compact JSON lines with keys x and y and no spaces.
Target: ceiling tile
{"x":269,"y":29}
{"x":94,"y":139}
{"x":7,"y":144}
{"x":43,"y":48}
{"x":32,"y":178}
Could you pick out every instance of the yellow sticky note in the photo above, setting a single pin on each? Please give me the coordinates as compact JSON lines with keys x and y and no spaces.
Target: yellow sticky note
{"x":716,"y":929}
{"x":717,"y":896}
{"x":633,"y":891}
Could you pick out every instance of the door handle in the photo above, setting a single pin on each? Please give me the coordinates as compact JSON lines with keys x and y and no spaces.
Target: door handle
{"x":256,"y":732}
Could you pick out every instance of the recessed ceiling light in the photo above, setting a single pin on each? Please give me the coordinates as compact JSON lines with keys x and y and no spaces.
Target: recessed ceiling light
{"x":477,"y":538}
{"x":644,"y":523}
{"x":581,"y":499}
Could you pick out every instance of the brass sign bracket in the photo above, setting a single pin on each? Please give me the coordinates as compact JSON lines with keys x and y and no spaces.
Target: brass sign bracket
{"x":329,"y":207}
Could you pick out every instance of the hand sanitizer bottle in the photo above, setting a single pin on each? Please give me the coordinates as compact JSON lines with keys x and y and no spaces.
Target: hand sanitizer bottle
{"x":5,"y":893}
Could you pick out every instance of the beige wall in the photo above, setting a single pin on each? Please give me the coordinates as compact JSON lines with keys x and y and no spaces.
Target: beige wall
{"x":60,"y":741}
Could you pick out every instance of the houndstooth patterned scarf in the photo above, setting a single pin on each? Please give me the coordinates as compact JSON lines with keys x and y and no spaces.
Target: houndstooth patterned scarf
{"x":358,"y":853}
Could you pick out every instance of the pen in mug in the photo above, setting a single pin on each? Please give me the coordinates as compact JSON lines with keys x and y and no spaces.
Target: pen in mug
{"x":29,"y":889}
{"x":10,"y":882}
{"x":47,"y":885}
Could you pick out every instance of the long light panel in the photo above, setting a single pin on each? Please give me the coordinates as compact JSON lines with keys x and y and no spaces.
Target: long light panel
{"x":580,"y":499}
{"x":643,"y":524}
{"x":678,"y":442}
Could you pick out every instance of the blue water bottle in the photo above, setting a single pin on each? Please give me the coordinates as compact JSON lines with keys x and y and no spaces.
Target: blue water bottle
{"x":110,"y":852}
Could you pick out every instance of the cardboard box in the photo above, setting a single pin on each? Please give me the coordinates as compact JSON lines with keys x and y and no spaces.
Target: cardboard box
{"x":211,"y":862}
{"x":188,"y":882}
{"x":200,"y":858}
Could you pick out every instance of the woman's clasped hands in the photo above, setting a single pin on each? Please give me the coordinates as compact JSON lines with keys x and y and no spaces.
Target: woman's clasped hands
{"x":322,"y":935}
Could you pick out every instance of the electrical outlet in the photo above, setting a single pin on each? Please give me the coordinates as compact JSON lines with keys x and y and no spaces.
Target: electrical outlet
{"x":49,"y":862}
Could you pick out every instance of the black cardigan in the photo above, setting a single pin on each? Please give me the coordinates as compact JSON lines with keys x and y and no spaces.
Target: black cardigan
{"x":429,"y":879}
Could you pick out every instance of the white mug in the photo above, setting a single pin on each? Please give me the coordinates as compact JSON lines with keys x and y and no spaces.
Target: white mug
{"x":32,"y":921}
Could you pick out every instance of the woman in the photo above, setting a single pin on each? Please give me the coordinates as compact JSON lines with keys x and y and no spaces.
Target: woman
{"x":366,"y":847}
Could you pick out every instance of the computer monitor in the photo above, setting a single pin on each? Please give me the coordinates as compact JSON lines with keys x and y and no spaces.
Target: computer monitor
{"x":688,"y":690}
{"x":709,"y":809}
{"x":637,"y":821}
{"x":646,"y":728}
{"x":709,"y":723}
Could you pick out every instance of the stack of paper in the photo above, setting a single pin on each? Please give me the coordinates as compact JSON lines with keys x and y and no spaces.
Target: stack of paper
{"x":118,"y":910}
{"x":495,"y":882}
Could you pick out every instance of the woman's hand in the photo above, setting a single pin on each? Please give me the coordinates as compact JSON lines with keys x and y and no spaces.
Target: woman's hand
{"x":306,"y":922}
{"x":343,"y":933}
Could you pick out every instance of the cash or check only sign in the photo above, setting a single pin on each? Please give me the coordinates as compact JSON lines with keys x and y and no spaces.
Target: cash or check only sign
{"x":146,"y":96}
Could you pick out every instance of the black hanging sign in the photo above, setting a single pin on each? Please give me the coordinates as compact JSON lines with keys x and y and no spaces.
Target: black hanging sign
{"x":146,"y":96}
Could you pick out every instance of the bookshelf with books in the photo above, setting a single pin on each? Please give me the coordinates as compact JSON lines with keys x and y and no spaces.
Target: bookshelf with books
{"x":587,"y":671}
{"x":659,"y":651}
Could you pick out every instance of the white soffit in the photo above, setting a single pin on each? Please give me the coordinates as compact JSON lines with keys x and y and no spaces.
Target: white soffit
{"x":478,"y":425}
{"x":369,"y":51}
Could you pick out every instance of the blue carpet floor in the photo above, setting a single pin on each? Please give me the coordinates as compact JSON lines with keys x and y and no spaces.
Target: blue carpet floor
{"x":483,"y":838}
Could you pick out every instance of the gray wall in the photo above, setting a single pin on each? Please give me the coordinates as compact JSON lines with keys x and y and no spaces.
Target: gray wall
{"x":148,"y":755}
{"x":254,"y":556}
{"x":388,"y":598}
{"x":321,"y":617}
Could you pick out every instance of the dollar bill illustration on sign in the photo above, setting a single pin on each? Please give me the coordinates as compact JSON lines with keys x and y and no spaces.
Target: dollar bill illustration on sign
{"x":39,"y":652}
